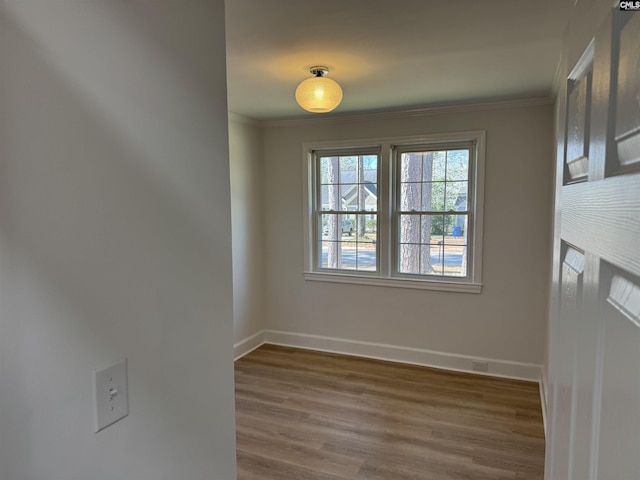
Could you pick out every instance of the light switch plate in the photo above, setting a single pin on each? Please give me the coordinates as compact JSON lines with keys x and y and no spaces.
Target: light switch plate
{"x":111,"y":402}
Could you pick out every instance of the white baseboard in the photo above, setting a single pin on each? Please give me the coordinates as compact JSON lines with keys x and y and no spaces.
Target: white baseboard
{"x":247,"y":345}
{"x":447,"y":361}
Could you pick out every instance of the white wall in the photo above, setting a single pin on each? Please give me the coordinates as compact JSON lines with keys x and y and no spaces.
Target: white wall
{"x":115,"y":238}
{"x":506,"y":321}
{"x":245,"y":153}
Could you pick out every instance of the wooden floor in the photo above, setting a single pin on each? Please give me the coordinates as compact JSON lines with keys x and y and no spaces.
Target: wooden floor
{"x":307,"y":415}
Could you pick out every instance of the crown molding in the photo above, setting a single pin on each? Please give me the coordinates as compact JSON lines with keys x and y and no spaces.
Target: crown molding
{"x":417,"y":112}
{"x":242,"y":119}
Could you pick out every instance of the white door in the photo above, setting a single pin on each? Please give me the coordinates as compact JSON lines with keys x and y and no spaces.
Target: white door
{"x":594,"y":368}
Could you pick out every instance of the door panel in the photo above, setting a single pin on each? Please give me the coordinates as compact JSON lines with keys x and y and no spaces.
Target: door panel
{"x":594,"y":367}
{"x":578,"y":113}
{"x":619,"y":440}
{"x":627,"y":128}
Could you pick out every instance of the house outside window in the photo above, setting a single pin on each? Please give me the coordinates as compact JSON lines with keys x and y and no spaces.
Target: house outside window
{"x":402,"y":212}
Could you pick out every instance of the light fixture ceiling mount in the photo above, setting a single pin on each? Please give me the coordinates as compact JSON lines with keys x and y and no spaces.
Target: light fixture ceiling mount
{"x":319,"y":71}
{"x":319,"y":94}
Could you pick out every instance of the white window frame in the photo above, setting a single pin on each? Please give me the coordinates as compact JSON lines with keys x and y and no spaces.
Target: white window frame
{"x":387,"y":231}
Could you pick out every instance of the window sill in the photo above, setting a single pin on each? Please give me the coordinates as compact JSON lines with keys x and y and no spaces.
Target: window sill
{"x":441,"y":286}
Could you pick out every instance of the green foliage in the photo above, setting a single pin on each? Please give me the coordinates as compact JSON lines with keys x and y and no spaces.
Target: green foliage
{"x":371,"y":225}
{"x":438,"y":225}
{"x":444,"y":225}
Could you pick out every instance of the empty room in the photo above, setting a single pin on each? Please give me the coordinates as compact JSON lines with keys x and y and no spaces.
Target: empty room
{"x":340,"y":240}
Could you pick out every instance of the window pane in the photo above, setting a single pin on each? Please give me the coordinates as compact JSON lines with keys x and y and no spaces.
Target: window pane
{"x":359,"y":227}
{"x":432,"y":229}
{"x":456,"y":229}
{"x":448,"y":226}
{"x":437,"y":223}
{"x":367,"y":196}
{"x":349,"y":197}
{"x":349,"y":183}
{"x":428,"y":259}
{"x":436,"y":259}
{"x":438,"y":182}
{"x":457,"y":196}
{"x":369,"y":163}
{"x":348,"y":255}
{"x":367,"y":258}
{"x":324,"y":197}
{"x":433,"y":195}
{"x":462,"y":203}
{"x":421,"y":259}
{"x":457,"y":165}
{"x":409,"y":261}
{"x":329,"y":188}
{"x":329,"y":254}
{"x":348,"y":225}
{"x":371,"y":226}
{"x":329,"y":227}
{"x":455,"y":261}
{"x":367,"y":182}
{"x":411,"y":167}
{"x":410,"y":197}
{"x":433,"y":244}
{"x":434,"y":168}
{"x":348,"y":167}
{"x":366,"y":237}
{"x":324,"y":170}
{"x":342,"y":246}
{"x":409,"y":229}
{"x":362,"y":194}
{"x":329,"y":170}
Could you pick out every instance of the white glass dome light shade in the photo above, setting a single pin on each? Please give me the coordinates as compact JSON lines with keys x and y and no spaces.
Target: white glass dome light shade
{"x":319,"y":94}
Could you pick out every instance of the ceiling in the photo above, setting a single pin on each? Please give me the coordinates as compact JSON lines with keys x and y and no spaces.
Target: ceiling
{"x":390,"y":55}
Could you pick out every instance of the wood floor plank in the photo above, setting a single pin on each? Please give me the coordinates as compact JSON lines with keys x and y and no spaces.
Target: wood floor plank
{"x":302,"y":456}
{"x":309,"y":415}
{"x":257,"y":467}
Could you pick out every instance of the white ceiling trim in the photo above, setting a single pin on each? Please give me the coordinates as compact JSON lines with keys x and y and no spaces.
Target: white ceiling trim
{"x":417,"y":112}
{"x":242,"y":119}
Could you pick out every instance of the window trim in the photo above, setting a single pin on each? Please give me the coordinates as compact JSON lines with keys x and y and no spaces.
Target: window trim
{"x":385,"y":276}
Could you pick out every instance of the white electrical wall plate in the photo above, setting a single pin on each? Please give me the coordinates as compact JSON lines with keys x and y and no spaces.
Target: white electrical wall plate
{"x":111,"y":402}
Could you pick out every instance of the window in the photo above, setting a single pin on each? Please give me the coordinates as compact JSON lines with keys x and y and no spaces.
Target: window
{"x":347,"y":211}
{"x":432,"y":188}
{"x":403,"y":212}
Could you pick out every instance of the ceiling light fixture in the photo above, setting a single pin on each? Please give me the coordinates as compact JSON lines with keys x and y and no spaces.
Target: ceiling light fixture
{"x":319,"y":94}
